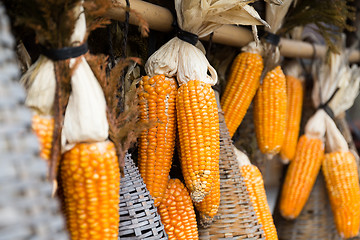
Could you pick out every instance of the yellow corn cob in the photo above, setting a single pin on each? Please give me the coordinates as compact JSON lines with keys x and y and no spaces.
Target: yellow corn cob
{"x":156,"y":145}
{"x":294,"y":107}
{"x":270,"y":112}
{"x":243,"y":81}
{"x":301,"y":176}
{"x":90,"y":178}
{"x":209,"y":206}
{"x":255,"y":186}
{"x":43,"y":126}
{"x":177,"y":212}
{"x":342,"y":182}
{"x":198,"y":126}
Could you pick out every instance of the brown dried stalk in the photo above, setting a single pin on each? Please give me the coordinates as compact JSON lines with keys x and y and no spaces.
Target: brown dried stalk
{"x":62,"y":94}
{"x":124,"y":127}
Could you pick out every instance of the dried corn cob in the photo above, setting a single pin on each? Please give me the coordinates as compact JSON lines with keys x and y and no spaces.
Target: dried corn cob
{"x":342,"y":182}
{"x":255,"y":186}
{"x":177,"y":212}
{"x":198,"y":126}
{"x":243,"y":81}
{"x":270,"y":112}
{"x":90,"y":179}
{"x":209,"y":206}
{"x":301,"y":176}
{"x":294,"y":107}
{"x":156,"y":145}
{"x":43,"y":126}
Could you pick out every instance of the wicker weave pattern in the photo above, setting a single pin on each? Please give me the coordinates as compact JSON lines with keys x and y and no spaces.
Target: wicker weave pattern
{"x":27,"y":210}
{"x":138,"y":215}
{"x":315,"y":221}
{"x":236,"y":218}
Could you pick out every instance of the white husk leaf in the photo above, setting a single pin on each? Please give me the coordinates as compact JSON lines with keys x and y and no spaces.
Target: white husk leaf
{"x":326,"y":78}
{"x":275,"y":14}
{"x":316,"y":126}
{"x":85,"y":116}
{"x":335,"y":141}
{"x":349,"y":90}
{"x":294,"y":69}
{"x":252,"y":47}
{"x":241,"y":157}
{"x":201,"y":17}
{"x":277,"y":2}
{"x":40,"y":84}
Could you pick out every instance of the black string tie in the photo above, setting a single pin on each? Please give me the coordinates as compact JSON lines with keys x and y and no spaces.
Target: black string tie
{"x":57,"y":54}
{"x":325,"y":106}
{"x":269,"y":37}
{"x":187,"y":36}
{"x":184,"y":35}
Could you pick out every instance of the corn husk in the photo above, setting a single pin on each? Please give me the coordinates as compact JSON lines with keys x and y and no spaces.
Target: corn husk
{"x":241,"y":157}
{"x":348,"y":90}
{"x":335,"y":141}
{"x":275,"y":14}
{"x":200,"y":17}
{"x":294,"y":69}
{"x":328,"y":76}
{"x":315,"y":126}
{"x":254,"y":47}
{"x":85,"y":116}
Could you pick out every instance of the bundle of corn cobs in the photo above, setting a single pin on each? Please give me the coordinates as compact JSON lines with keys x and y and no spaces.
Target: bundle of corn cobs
{"x":78,"y":128}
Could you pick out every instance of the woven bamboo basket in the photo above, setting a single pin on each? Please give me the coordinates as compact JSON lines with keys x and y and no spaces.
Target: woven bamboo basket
{"x":27,"y":210}
{"x":139,"y":218}
{"x":315,"y":220}
{"x":236,"y":218}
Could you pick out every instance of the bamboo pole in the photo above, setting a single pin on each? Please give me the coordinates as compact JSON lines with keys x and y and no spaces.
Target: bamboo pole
{"x":160,"y":19}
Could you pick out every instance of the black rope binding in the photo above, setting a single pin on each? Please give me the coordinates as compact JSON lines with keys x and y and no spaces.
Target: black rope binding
{"x":184,"y":35}
{"x":325,"y":106}
{"x":64,"y":53}
{"x":269,"y":37}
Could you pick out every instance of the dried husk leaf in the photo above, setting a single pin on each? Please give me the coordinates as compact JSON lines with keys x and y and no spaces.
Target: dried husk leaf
{"x":349,"y":90}
{"x":241,"y":157}
{"x":327,"y":77}
{"x":200,"y":17}
{"x":316,"y":126}
{"x":39,"y":82}
{"x":293,"y":68}
{"x":275,"y":15}
{"x":85,"y":116}
{"x":335,"y":141}
{"x":253,"y":47}
{"x":277,"y":2}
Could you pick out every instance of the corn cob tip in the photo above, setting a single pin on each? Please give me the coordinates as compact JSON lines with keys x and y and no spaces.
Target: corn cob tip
{"x":206,"y":220}
{"x":270,"y":156}
{"x":284,"y":160}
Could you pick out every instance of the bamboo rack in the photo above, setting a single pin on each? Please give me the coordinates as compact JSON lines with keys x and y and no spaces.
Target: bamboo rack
{"x":160,"y":19}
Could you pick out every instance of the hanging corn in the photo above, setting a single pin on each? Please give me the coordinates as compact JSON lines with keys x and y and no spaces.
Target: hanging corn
{"x":242,"y":83}
{"x":197,"y":116}
{"x":156,"y":145}
{"x":294,"y":92}
{"x":177,"y":212}
{"x":255,"y":186}
{"x":270,"y":112}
